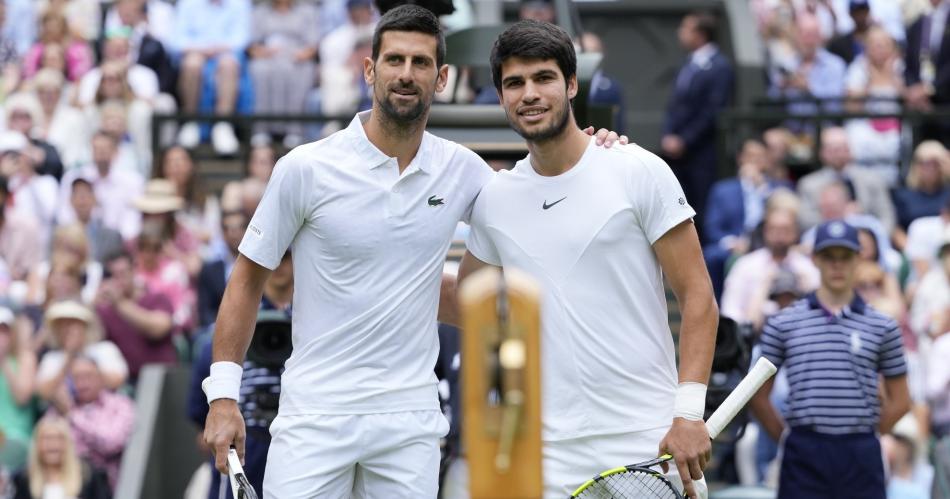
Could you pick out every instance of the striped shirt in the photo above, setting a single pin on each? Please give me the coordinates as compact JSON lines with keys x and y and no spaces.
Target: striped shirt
{"x":832,"y":362}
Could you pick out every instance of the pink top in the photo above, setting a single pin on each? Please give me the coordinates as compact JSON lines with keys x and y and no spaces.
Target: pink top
{"x":171,"y":279}
{"x":78,"y":60}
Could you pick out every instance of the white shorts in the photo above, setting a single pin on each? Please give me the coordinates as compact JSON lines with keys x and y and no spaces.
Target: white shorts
{"x":392,"y":455}
{"x":569,"y":463}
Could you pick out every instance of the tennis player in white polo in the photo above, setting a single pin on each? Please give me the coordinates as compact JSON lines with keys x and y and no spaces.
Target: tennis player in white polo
{"x":598,"y":228}
{"x":369,"y":212}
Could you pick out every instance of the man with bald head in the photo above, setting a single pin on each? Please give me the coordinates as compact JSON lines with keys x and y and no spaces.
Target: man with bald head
{"x":864,"y":187}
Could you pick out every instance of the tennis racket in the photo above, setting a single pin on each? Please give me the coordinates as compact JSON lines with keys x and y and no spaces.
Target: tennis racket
{"x":642,"y":481}
{"x":240,"y":486}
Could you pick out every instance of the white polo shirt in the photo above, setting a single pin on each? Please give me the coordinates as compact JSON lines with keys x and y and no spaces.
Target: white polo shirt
{"x":368,"y":250}
{"x":608,"y":361}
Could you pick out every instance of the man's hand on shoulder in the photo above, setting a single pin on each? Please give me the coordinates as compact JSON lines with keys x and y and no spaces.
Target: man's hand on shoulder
{"x":688,"y":442}
{"x":606,"y":137}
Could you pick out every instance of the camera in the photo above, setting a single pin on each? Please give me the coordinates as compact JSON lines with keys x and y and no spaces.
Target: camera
{"x":272,"y":343}
{"x":270,"y":347}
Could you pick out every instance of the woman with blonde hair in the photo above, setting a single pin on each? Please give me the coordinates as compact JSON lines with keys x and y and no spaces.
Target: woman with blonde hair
{"x":62,"y":125}
{"x":927,"y":185}
{"x":54,"y":30}
{"x":70,"y":250}
{"x":54,"y":469}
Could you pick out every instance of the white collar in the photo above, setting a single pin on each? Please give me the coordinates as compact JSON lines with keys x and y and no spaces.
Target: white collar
{"x":703,"y":55}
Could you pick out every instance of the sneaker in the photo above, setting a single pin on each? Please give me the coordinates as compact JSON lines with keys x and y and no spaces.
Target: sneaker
{"x":223,"y":140}
{"x":190,"y":135}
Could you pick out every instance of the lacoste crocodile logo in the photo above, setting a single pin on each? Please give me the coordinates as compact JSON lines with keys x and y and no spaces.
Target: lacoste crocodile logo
{"x":434,"y":201}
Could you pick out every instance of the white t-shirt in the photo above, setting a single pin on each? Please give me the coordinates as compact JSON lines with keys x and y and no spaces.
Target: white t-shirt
{"x":107,"y":356}
{"x":142,"y":80}
{"x":608,"y":361}
{"x":368,"y":250}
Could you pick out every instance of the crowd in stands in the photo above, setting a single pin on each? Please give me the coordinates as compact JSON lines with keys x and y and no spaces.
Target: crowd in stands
{"x":109,"y":262}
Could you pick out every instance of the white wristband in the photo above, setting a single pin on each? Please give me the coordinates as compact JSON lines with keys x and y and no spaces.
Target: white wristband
{"x":224,"y":382}
{"x":690,"y":401}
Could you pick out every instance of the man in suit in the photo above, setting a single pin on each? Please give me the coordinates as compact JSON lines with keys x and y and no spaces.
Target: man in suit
{"x":215,"y":272}
{"x":702,"y":88}
{"x":864,"y":187}
{"x":927,"y":68}
{"x":735,"y":208}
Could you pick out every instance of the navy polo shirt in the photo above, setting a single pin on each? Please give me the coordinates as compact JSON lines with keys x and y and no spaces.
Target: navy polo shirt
{"x":832,"y":362}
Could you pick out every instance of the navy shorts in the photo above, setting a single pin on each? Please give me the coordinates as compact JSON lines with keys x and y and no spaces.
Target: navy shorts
{"x":818,"y":466}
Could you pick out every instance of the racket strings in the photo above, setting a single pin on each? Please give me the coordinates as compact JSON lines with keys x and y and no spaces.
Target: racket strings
{"x":630,"y":484}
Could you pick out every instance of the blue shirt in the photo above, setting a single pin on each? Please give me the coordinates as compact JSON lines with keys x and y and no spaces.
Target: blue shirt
{"x":201,"y":24}
{"x":832,"y":362}
{"x":825,"y":80}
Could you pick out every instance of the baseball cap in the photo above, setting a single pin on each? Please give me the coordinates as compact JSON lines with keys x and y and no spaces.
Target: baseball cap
{"x":858,"y":4}
{"x":836,"y":233}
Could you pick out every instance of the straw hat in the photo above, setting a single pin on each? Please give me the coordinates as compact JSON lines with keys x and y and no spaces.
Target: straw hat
{"x":70,"y":309}
{"x":160,"y":197}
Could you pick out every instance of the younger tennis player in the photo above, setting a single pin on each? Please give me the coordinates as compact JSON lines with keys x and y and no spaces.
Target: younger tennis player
{"x":598,"y":228}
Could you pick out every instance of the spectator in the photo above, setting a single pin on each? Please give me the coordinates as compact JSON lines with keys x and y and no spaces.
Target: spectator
{"x":61,"y":125}
{"x":604,"y":90}
{"x":777,"y":141}
{"x":84,"y":16}
{"x":23,"y":113}
{"x":924,"y":238}
{"x":812,"y":73}
{"x":927,"y":73}
{"x":55,"y":469}
{"x":842,"y":419}
{"x":166,"y":275}
{"x":55,"y":32}
{"x":261,"y":161}
{"x":20,"y":24}
{"x":735,"y":209}
{"x":851,"y":44}
{"x":906,"y":480}
{"x":703,"y":87}
{"x":142,"y":81}
{"x":64,"y":282}
{"x":928,"y":314}
{"x":283,"y":54}
{"x":33,"y":195}
{"x":879,"y":289}
{"x":9,"y":58}
{"x":200,"y":214}
{"x":102,"y":240}
{"x":343,"y":88}
{"x":752,"y":275}
{"x":72,"y":332}
{"x":877,"y":74}
{"x":337,"y":45}
{"x":18,"y":369}
{"x":115,"y":188}
{"x":101,"y":420}
{"x":211,"y":37}
{"x":70,"y":244}
{"x":136,"y":319}
{"x":20,"y":244}
{"x":149,"y":36}
{"x":539,"y":10}
{"x":215,"y":273}
{"x":938,"y":369}
{"x":151,"y":19}
{"x":866,"y":189}
{"x":132,"y":127}
{"x":927,"y":186}
{"x":160,"y":205}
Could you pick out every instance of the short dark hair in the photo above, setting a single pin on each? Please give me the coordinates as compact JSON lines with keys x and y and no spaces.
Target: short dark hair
{"x":412,"y":18}
{"x":706,"y":23}
{"x":530,"y":39}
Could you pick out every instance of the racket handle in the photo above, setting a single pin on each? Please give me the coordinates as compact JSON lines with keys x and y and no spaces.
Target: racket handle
{"x":762,"y":371}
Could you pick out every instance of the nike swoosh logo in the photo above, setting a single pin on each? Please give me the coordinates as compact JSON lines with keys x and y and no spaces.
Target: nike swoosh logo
{"x":545,"y":205}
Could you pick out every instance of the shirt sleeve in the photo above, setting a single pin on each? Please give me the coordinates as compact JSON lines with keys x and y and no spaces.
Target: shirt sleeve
{"x":109,"y":358}
{"x":891,"y":362}
{"x":658,"y":197}
{"x":479,"y":242}
{"x":479,"y":177}
{"x":772,"y":343}
{"x":281,"y":213}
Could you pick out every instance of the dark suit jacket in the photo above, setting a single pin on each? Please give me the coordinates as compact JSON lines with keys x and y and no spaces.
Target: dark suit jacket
{"x":211,"y":283}
{"x":912,"y":60}
{"x":692,"y":110}
{"x":152,"y":55}
{"x":843,"y":47}
{"x":725,"y":209}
